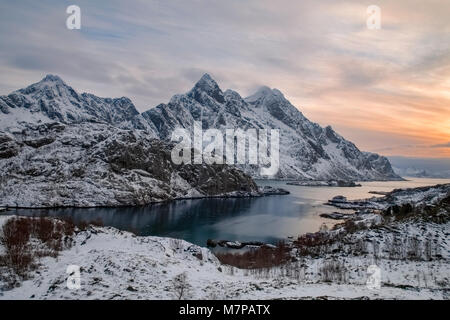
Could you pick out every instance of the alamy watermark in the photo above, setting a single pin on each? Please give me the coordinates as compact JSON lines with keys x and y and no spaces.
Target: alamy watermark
{"x":74,"y":278}
{"x":374,"y":280}
{"x":74,"y":20}
{"x":211,"y":147}
{"x":373,"y":21}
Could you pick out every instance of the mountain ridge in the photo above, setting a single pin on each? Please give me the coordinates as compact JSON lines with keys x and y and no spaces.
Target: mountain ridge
{"x":308,"y":151}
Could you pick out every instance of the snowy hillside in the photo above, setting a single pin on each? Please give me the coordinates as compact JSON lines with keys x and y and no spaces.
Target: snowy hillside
{"x":411,"y":248}
{"x":61,"y":148}
{"x":308,"y":151}
{"x":87,"y":164}
{"x":120,"y":265}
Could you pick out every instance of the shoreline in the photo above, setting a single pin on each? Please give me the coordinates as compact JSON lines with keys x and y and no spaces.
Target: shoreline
{"x":269,"y":192}
{"x":332,"y":263}
{"x":162,"y":202}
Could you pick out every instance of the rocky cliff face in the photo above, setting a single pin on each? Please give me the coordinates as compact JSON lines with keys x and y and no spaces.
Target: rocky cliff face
{"x":61,"y":148}
{"x":84,"y":165}
{"x":307,"y":150}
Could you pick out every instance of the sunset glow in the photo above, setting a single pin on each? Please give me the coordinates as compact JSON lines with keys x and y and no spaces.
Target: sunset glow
{"x":387,"y":90}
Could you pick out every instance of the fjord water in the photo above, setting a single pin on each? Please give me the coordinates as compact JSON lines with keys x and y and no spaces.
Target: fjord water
{"x":266,"y":219}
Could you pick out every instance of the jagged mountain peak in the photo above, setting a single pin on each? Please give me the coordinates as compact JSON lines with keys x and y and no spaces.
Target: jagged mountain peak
{"x":51,"y":84}
{"x":207,"y":85}
{"x":265,"y":92}
{"x":51,"y":99}
{"x":307,"y":150}
{"x":207,"y":77}
{"x":52,"y":78}
{"x":50,"y":87}
{"x":231,"y":94}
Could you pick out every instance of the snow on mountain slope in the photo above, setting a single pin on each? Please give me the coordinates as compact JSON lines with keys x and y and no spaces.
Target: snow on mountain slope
{"x":87,"y":164}
{"x":307,"y":151}
{"x":51,"y":99}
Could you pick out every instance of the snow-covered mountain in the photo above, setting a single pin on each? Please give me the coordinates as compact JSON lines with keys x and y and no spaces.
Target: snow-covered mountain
{"x":421,"y":167}
{"x":61,"y":148}
{"x":87,"y":165}
{"x":307,"y":150}
{"x":52,"y":100}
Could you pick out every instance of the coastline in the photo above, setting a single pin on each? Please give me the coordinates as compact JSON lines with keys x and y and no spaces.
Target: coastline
{"x":331,"y":264}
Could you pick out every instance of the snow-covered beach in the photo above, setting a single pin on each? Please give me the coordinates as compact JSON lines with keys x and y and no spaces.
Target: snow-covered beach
{"x":119,"y":265}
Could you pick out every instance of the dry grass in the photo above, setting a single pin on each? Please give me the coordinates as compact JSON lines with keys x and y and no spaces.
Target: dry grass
{"x":316,"y":244}
{"x":262,"y":257}
{"x":25,"y":239}
{"x":333,"y":271}
{"x":84,"y":225}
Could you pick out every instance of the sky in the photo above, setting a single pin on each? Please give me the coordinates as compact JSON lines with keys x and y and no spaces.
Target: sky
{"x":434,"y":167}
{"x":387,"y":90}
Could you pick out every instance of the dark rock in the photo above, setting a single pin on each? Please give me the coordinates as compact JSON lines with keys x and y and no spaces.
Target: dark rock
{"x":338,"y":199}
{"x":336,"y":215}
{"x":211,"y":243}
{"x":268,"y":191}
{"x":39,"y":142}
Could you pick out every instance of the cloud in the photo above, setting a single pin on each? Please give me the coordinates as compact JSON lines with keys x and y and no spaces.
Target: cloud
{"x":441,"y":145}
{"x":383,"y":88}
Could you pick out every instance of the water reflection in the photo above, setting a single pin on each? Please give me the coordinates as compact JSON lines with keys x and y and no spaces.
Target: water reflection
{"x":265,"y":219}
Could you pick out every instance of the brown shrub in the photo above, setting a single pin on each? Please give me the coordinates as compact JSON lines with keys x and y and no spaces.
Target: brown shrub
{"x":16,"y":233}
{"x":351,"y":226}
{"x":68,"y":226}
{"x":313,"y":239}
{"x":313,"y":244}
{"x":15,"y":237}
{"x":20,"y":252}
{"x":43,"y":229}
{"x":82,"y":225}
{"x":333,"y":271}
{"x":20,"y":261}
{"x":97,"y":222}
{"x":262,"y":257}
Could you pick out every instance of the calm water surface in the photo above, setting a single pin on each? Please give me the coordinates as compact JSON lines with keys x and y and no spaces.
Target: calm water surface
{"x":265,"y":219}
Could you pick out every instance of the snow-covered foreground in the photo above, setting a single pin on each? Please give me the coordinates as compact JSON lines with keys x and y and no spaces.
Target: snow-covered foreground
{"x":119,"y":265}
